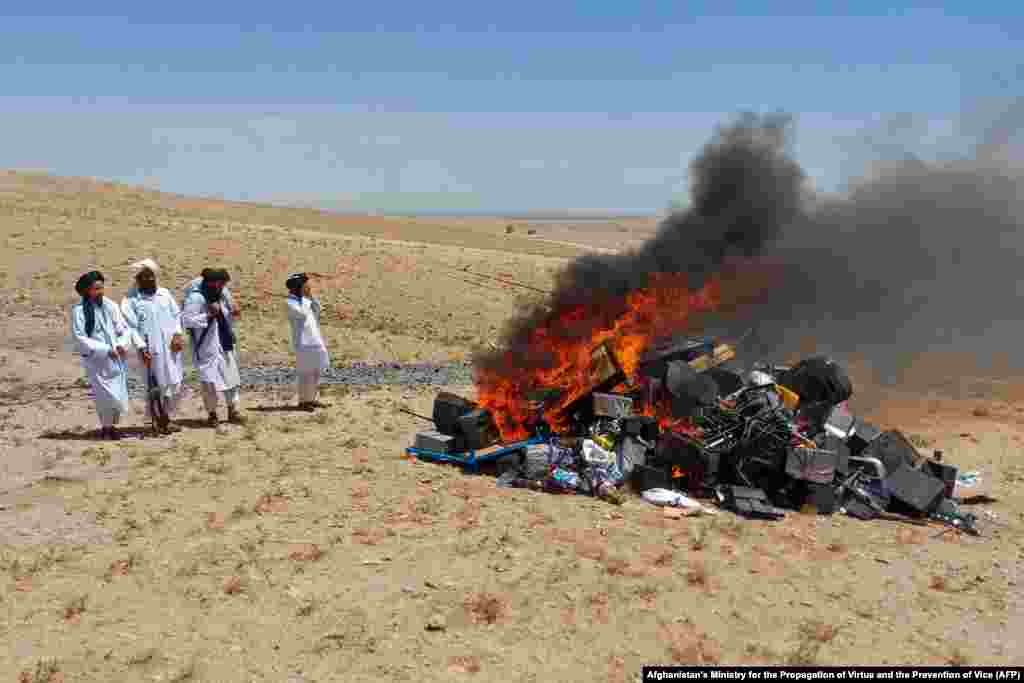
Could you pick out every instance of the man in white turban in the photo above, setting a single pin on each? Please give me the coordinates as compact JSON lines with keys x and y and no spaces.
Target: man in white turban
{"x":154,"y":319}
{"x":102,"y":338}
{"x":311,"y":357}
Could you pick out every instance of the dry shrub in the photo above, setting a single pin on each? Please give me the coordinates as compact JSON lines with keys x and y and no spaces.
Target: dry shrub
{"x":589,"y":543}
{"x":232,"y":584}
{"x":486,"y":608}
{"x":536,"y":519}
{"x":468,"y":516}
{"x":617,"y":566}
{"x":688,"y":645}
{"x":305,"y":552}
{"x":697,"y":574}
{"x":120,"y":567}
{"x":368,"y":536}
{"x":412,"y":511}
{"x":268,"y":503}
{"x":73,"y":610}
{"x":360,"y":494}
{"x":464,"y":664}
{"x":910,"y":537}
{"x":654,"y":519}
{"x":592,"y":549}
{"x":46,"y":672}
{"x":837,"y":547}
{"x":733,"y":527}
{"x":647,"y":595}
{"x":471,"y":487}
{"x":958,"y":658}
{"x":599,"y":607}
{"x":819,"y":631}
{"x":762,"y":564}
{"x":361,"y":456}
{"x":214,"y":521}
{"x":616,"y":669}
{"x":663,"y":557}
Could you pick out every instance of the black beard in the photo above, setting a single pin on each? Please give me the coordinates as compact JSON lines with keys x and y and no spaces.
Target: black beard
{"x":211,"y":295}
{"x":148,"y":291}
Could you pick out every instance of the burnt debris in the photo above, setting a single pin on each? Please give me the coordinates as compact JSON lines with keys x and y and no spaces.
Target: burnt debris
{"x":759,"y":441}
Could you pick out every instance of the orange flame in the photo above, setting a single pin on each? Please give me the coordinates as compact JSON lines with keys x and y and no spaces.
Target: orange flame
{"x":646,"y":314}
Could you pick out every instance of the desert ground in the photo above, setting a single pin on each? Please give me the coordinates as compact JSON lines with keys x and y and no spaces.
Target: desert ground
{"x":304,"y":548}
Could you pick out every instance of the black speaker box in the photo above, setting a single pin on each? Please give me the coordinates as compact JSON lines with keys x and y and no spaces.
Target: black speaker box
{"x":448,"y":408}
{"x":478,"y":429}
{"x":918,"y":491}
{"x":894,"y":450}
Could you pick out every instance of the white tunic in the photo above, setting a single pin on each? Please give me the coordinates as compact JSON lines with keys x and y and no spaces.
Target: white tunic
{"x":107,"y":376}
{"x":215,"y":365}
{"x":310,"y":351}
{"x":156,"y":318}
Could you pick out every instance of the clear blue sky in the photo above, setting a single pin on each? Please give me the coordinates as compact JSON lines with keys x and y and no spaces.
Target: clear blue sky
{"x":481,"y":106}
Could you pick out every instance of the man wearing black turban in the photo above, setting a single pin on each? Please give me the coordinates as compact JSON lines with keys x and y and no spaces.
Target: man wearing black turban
{"x":209,"y":320}
{"x":102,"y":338}
{"x":311,"y":357}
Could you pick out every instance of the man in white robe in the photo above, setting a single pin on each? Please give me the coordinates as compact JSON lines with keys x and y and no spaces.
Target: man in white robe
{"x":209,"y":322}
{"x":102,"y":337}
{"x":196,"y":284}
{"x":311,"y":357}
{"x":154,"y":318}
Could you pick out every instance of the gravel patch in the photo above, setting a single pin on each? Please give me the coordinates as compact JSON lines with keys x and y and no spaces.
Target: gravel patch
{"x":365,"y":374}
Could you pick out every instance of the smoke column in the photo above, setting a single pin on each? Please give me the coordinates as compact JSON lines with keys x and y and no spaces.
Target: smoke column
{"x":916,"y":257}
{"x":745,"y":191}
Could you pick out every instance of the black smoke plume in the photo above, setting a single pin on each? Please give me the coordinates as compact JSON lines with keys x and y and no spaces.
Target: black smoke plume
{"x":744,"y":190}
{"x":916,"y":256}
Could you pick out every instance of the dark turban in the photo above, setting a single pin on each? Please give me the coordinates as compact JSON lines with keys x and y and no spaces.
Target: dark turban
{"x":296,"y":281}
{"x":216,"y":275}
{"x":87,"y":280}
{"x":89,"y":310}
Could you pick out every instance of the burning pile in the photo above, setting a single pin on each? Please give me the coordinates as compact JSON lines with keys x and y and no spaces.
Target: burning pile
{"x":686,"y":424}
{"x":603,"y":384}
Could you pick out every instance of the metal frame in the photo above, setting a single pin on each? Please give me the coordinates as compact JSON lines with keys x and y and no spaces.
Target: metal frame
{"x":472,"y":459}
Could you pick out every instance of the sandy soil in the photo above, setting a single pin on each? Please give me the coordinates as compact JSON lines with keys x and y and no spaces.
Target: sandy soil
{"x":308,"y":548}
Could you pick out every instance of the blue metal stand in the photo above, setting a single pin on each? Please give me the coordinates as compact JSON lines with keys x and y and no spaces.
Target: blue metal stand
{"x":472,"y":460}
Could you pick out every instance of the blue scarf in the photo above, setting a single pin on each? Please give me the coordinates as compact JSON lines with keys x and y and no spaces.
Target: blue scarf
{"x":224,"y":331}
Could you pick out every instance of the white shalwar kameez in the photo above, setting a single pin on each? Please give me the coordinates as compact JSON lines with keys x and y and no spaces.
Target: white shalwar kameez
{"x":108,"y":376}
{"x":217,"y":368}
{"x":155,"y":319}
{"x":311,"y":357}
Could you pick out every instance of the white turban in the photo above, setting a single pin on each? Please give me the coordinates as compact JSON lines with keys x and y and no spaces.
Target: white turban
{"x":145,"y":264}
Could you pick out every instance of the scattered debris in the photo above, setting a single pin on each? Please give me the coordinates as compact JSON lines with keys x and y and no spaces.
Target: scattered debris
{"x":688,"y":426}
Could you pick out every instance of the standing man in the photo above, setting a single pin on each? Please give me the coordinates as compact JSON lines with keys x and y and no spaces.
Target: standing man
{"x":196,"y":284}
{"x":154,"y":319}
{"x":102,"y":338}
{"x":208,"y":320}
{"x":311,"y":357}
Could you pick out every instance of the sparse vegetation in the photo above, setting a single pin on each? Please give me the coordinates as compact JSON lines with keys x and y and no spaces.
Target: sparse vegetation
{"x":294,"y":519}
